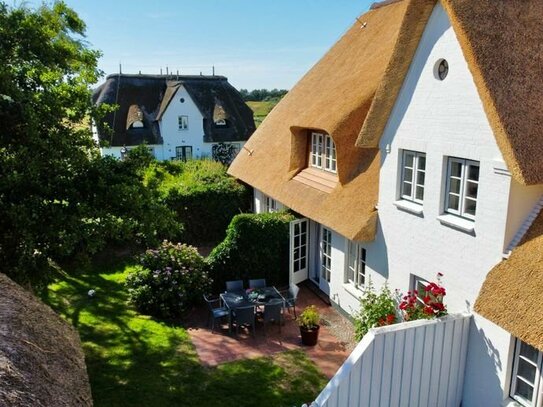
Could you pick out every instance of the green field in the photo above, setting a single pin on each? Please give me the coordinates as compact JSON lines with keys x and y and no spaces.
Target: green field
{"x":135,"y":360}
{"x":261,"y":109}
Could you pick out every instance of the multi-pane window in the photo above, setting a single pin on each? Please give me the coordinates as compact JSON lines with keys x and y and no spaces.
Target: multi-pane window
{"x":183,"y":122}
{"x":413,"y":175}
{"x":356,"y":265}
{"x":323,"y":152}
{"x":527,"y":380}
{"x":419,"y":284}
{"x":183,"y":153}
{"x":326,"y":254}
{"x":330,"y":160}
{"x":316,"y":149}
{"x":462,"y":187}
{"x":271,"y":205}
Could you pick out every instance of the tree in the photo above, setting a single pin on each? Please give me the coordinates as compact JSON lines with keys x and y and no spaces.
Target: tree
{"x":45,"y":80}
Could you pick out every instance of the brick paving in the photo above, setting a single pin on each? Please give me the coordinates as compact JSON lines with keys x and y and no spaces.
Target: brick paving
{"x":220,"y":346}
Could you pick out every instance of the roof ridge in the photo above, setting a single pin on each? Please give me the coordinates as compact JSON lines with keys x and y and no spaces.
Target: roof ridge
{"x":166,"y":77}
{"x":384,"y":3}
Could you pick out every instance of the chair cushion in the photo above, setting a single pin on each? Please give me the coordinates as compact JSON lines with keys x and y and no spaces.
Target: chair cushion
{"x":220,"y":312}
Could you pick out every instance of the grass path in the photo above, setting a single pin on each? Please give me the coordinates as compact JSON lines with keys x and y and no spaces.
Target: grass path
{"x":134,"y":360}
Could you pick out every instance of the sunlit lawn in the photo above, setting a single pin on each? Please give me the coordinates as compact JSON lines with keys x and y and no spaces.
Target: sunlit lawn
{"x":133,"y":360}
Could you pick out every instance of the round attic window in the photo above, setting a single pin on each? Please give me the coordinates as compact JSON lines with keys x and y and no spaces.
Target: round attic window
{"x":182,"y":100}
{"x":441,"y":69}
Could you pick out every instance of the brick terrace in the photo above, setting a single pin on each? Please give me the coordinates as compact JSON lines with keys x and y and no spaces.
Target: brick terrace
{"x":220,"y":346}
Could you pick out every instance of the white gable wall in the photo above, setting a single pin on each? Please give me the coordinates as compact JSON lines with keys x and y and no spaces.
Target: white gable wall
{"x":171,"y":134}
{"x":442,"y":119}
{"x":446,"y":119}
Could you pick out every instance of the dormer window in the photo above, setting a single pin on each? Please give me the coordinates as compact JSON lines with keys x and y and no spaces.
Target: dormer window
{"x":220,"y":123}
{"x":134,"y":118}
{"x":323,"y":152}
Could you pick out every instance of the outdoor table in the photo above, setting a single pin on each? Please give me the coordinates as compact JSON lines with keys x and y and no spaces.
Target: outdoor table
{"x":252,"y":296}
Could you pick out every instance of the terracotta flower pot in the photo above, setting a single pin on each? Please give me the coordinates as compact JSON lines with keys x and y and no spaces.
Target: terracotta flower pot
{"x":309,"y":335}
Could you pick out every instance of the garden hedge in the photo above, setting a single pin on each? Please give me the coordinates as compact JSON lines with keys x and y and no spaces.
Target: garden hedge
{"x":203,"y":196}
{"x":256,"y":246}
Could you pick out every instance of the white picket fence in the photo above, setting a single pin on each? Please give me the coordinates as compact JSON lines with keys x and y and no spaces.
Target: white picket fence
{"x":419,"y":363}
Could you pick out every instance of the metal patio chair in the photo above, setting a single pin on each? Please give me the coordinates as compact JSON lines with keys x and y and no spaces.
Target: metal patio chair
{"x":244,"y":316}
{"x":234,"y":286}
{"x":215,"y":312}
{"x":259,"y":283}
{"x":291,"y":295}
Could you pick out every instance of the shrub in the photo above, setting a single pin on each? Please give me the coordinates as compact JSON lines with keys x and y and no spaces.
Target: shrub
{"x":169,"y":281}
{"x":309,"y":318}
{"x":202,"y":195}
{"x":376,"y":309}
{"x":256,"y":246}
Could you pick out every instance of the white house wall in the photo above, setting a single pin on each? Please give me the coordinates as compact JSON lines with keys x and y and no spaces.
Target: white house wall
{"x":446,"y":119}
{"x":193,"y":136}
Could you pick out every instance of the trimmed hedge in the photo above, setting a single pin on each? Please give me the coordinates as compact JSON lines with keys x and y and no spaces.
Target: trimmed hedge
{"x":256,"y":246}
{"x":203,"y":196}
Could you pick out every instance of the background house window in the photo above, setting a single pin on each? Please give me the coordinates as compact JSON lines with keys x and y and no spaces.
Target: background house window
{"x":183,"y":122}
{"x":323,"y":152}
{"x":527,"y":380}
{"x":462,"y":187}
{"x":413,"y":176}
{"x":326,"y":254}
{"x":183,"y":153}
{"x":356,"y":265}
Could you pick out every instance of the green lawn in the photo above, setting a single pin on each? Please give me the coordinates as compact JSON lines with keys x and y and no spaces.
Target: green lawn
{"x":261,"y":110}
{"x":133,"y":360}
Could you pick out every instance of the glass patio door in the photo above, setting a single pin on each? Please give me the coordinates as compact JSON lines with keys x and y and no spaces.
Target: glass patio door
{"x":299,"y":240}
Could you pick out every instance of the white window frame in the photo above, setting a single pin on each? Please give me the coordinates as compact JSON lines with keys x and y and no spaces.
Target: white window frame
{"x":419,"y":284}
{"x":316,"y":149}
{"x":537,"y":397}
{"x":323,"y":152}
{"x":182,"y":122}
{"x":183,"y":153}
{"x":326,"y":253}
{"x":330,"y":158}
{"x":356,"y":274}
{"x":413,"y":180}
{"x":464,"y":181}
{"x":271,"y":204}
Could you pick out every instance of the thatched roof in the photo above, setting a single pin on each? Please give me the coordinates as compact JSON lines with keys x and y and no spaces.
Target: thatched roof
{"x":512,"y":293}
{"x":333,"y":97}
{"x":152,"y":94}
{"x":502,"y":41}
{"x":41,"y":361}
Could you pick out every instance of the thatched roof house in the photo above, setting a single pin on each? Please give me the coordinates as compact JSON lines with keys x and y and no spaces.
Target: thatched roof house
{"x":333,"y":97}
{"x":145,"y":98}
{"x":41,"y":360}
{"x":506,"y":69}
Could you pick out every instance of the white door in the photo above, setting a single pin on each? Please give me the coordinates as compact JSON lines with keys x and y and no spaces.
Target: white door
{"x":299,"y":239}
{"x":325,"y":259}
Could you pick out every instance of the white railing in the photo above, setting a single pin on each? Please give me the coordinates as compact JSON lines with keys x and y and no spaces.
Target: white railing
{"x":419,"y":363}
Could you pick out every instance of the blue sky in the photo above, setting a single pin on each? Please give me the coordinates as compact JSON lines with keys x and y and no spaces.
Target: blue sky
{"x":255,"y":43}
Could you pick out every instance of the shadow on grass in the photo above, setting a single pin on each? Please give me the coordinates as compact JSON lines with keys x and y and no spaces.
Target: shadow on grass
{"x":134,"y":360}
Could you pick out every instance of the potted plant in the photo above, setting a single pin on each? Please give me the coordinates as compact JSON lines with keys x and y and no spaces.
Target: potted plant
{"x":309,"y":325}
